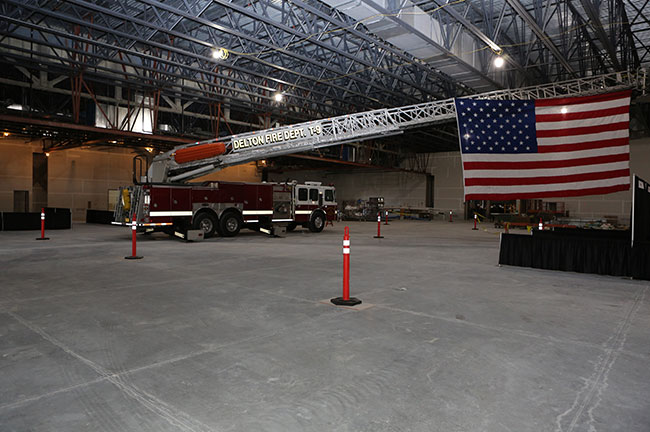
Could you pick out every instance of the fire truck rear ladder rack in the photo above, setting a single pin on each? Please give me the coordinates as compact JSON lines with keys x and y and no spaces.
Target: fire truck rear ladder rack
{"x":369,"y":124}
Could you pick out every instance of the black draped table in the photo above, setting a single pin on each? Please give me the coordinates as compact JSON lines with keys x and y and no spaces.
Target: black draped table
{"x":578,"y":250}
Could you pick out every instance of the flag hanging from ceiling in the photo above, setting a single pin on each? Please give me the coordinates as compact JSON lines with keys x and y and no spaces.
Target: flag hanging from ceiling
{"x":522,"y":149}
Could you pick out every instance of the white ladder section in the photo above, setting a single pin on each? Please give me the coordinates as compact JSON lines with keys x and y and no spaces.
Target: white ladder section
{"x":310,"y":135}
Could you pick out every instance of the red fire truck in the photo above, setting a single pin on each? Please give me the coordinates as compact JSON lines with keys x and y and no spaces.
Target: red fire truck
{"x":225,"y":207}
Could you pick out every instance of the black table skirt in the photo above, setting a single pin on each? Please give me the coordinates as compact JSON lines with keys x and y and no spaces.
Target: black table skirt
{"x":606,"y":256}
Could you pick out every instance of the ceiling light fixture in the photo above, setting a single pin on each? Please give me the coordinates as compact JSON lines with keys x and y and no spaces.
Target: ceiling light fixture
{"x":219,"y":53}
{"x":499,"y":62}
{"x":278,"y":97}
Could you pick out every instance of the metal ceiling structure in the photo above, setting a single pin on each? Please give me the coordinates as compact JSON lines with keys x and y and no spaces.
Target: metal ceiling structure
{"x":152,"y":73}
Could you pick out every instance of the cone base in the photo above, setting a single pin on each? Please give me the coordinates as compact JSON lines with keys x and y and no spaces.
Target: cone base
{"x":133,"y":257}
{"x":474,"y":229}
{"x":43,"y":238}
{"x":377,"y":236}
{"x":352,"y":301}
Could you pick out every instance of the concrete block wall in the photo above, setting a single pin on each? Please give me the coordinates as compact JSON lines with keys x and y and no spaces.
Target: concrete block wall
{"x":80,"y":178}
{"x":15,"y":170}
{"x":446,"y":169}
{"x":399,"y":189}
{"x":244,"y":173}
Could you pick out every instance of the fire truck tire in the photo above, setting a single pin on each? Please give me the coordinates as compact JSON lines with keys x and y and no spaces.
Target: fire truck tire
{"x":205,"y":222}
{"x":229,"y":224}
{"x":317,"y":222}
{"x":291,"y":226}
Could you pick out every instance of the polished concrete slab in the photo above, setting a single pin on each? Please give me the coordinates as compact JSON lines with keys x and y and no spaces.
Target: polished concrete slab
{"x":233,"y":335}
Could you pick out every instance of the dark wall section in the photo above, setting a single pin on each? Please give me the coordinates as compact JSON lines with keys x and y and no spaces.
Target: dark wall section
{"x":55,"y":218}
{"x":39,"y":181}
{"x":99,"y":216}
{"x":640,"y":211}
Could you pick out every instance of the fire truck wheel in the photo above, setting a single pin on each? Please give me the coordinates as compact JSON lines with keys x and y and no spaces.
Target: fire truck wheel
{"x":317,"y":222}
{"x":230,"y":224}
{"x":292,"y":226}
{"x":206,"y":223}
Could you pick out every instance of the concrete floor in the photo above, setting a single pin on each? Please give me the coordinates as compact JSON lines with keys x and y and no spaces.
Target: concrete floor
{"x":233,"y":335}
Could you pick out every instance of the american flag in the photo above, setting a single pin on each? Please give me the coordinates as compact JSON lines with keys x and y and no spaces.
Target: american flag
{"x":574,"y":146}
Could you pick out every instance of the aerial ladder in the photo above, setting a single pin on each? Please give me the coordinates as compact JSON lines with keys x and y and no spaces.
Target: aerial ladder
{"x":190,"y":161}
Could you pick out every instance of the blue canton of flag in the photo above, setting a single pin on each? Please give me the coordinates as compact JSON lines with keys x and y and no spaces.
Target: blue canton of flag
{"x":493,"y":126}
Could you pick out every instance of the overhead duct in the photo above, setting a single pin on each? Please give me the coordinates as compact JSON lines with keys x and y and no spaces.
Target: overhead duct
{"x":416,"y":32}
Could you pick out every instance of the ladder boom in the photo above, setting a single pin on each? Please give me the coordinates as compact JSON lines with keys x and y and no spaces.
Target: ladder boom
{"x":314,"y":134}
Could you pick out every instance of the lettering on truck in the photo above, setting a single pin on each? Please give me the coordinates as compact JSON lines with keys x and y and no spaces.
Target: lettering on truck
{"x":276,"y":137}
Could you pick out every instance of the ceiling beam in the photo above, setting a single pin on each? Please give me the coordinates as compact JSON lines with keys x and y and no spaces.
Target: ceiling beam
{"x":541,"y":34}
{"x":597,"y":25}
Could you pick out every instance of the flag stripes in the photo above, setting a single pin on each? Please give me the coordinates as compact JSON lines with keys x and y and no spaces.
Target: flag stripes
{"x":568,"y":147}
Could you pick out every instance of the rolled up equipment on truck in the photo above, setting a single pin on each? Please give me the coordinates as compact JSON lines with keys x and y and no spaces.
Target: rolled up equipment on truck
{"x":199,"y":152}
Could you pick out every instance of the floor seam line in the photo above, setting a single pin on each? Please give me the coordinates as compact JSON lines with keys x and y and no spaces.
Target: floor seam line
{"x":149,"y":401}
{"x":602,"y":369}
{"x":487,"y":327}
